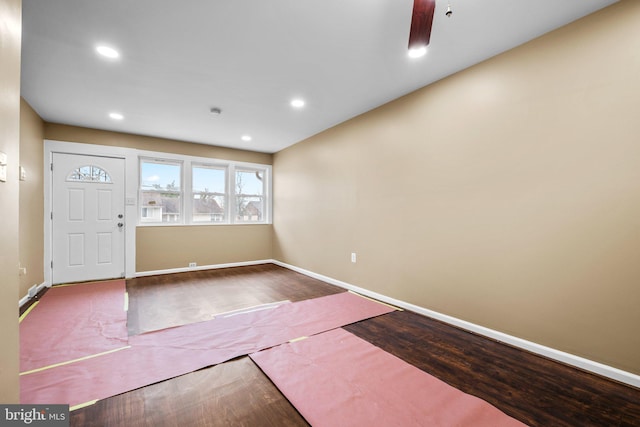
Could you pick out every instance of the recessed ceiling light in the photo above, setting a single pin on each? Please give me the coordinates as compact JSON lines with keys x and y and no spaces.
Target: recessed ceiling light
{"x":417,"y":52}
{"x":107,"y":52}
{"x":116,"y":116}
{"x":246,"y":137}
{"x":297,"y":103}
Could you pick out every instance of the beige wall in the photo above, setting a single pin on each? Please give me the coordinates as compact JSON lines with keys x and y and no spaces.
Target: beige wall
{"x":507,"y":195}
{"x":162,"y":247}
{"x":10,"y":42}
{"x":175,"y":247}
{"x":31,"y":231}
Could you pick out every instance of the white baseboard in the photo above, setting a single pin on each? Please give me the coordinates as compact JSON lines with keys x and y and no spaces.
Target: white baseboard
{"x":551,"y":353}
{"x":25,"y":298}
{"x":202,"y":267}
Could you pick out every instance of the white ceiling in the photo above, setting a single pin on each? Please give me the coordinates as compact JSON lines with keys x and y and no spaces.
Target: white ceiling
{"x":250,"y":57}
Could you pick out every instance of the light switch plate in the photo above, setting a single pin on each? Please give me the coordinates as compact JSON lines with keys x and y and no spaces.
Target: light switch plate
{"x":3,"y":166}
{"x":23,"y":174}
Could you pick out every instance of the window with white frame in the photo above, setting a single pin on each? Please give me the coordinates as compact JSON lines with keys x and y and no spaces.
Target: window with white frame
{"x":249,"y":195}
{"x":209,"y":193}
{"x":184,"y":190}
{"x":160,"y":191}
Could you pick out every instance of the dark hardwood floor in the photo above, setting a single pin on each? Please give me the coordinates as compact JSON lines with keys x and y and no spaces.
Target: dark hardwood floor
{"x":158,"y":302}
{"x":530,"y":388}
{"x":235,"y":393}
{"x":535,"y":390}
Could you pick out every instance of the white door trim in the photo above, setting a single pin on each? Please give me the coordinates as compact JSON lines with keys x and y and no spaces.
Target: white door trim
{"x":130,"y":159}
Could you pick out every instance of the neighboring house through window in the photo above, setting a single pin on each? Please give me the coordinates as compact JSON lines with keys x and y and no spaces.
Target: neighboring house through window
{"x":160,"y":191}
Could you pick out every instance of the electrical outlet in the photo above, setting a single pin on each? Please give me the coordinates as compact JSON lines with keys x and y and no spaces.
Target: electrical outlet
{"x":192,"y":264}
{"x":353,"y":257}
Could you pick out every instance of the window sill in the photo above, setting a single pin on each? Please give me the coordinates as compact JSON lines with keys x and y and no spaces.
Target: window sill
{"x":219,"y":224}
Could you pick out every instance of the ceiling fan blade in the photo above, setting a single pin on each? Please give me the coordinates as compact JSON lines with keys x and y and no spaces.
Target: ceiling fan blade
{"x":421,"y":22}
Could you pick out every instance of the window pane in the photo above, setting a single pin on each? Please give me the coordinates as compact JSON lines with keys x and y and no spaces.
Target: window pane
{"x":160,"y":206}
{"x":209,"y":197}
{"x":160,"y":176}
{"x":250,"y":208}
{"x":249,"y":192}
{"x":161,"y":192}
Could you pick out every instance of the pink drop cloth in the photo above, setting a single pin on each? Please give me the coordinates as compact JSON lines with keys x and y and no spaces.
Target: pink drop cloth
{"x":74,"y":321}
{"x":160,"y":355}
{"x":337,"y":379}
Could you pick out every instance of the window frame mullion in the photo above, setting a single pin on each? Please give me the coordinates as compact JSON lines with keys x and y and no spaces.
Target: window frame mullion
{"x":231,"y":190}
{"x":187,"y":192}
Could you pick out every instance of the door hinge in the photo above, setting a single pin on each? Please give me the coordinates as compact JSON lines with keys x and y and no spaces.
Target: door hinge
{"x":51,"y":264}
{"x":51,"y":166}
{"x":51,"y":215}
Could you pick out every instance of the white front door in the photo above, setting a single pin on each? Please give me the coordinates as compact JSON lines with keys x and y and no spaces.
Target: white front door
{"x":87,"y":218}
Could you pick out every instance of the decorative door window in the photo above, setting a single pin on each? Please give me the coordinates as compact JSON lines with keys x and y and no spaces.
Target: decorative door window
{"x":90,"y":173}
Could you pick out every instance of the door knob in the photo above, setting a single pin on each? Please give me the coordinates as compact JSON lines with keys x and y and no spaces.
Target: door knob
{"x":120,"y":224}
{"x":120,"y":216}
